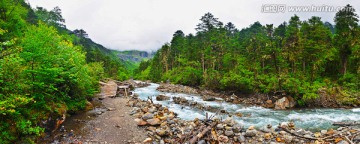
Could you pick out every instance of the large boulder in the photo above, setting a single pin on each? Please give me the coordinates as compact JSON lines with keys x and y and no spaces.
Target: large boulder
{"x":108,"y":89}
{"x":285,"y":102}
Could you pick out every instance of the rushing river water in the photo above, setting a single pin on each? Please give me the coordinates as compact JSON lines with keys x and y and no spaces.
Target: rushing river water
{"x":310,"y":119}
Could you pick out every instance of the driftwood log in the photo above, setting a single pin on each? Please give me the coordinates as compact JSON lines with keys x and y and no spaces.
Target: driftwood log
{"x":346,"y":123}
{"x":288,"y":131}
{"x":150,"y":99}
{"x":202,"y":133}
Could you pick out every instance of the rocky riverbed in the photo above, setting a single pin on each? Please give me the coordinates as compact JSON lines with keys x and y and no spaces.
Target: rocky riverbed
{"x":163,"y":126}
{"x":186,"y":115}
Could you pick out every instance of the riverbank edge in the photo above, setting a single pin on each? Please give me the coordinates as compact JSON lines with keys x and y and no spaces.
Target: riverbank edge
{"x":257,"y":99}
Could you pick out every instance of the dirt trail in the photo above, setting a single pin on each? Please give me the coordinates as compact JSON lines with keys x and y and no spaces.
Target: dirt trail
{"x":116,"y":126}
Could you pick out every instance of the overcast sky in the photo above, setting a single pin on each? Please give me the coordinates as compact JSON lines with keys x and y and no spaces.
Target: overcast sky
{"x":148,"y":24}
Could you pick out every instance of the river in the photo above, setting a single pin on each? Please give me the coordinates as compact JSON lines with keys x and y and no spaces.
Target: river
{"x":309,"y":119}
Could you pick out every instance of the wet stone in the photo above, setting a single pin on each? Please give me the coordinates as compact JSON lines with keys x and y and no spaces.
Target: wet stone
{"x":251,"y":131}
{"x":323,"y":132}
{"x":220,"y":126}
{"x":343,"y":142}
{"x":154,"y":121}
{"x":229,"y":133}
{"x":237,"y":128}
{"x":201,"y":142}
{"x":147,"y":116}
{"x":162,"y":98}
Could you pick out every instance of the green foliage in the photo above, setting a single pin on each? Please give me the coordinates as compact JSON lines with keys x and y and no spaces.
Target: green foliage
{"x":52,"y":17}
{"x":347,"y":36}
{"x":184,"y":75}
{"x":299,"y":58}
{"x":239,"y":78}
{"x":42,"y":72}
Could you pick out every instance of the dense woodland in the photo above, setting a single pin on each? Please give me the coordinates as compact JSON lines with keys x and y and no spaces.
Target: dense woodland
{"x":45,"y":69}
{"x":304,"y":59}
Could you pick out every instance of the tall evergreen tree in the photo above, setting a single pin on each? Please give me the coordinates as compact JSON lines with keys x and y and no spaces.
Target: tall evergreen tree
{"x":347,"y":34}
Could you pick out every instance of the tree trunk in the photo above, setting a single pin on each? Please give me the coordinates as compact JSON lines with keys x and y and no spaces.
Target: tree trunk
{"x":344,"y":68}
{"x":203,"y":63}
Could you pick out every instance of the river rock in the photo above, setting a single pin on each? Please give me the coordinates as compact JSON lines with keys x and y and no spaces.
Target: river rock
{"x":260,"y":139}
{"x":201,"y":142}
{"x":292,"y":102}
{"x":239,"y":114}
{"x":147,"y":116}
{"x":152,"y":109}
{"x":161,"y":132}
{"x":89,"y":106}
{"x":229,"y":121}
{"x":307,"y":135}
{"x":282,"y":103}
{"x":141,"y":122}
{"x":237,"y":128}
{"x":269,"y":104}
{"x":288,"y":138}
{"x":228,"y":128}
{"x":323,"y":132}
{"x":267,"y":136}
{"x":241,"y":138}
{"x":134,"y":110}
{"x":285,"y":102}
{"x":179,"y":100}
{"x":219,"y":126}
{"x":301,"y":132}
{"x":145,"y":109}
{"x":267,"y":129}
{"x":151,"y":128}
{"x":153,"y":121}
{"x":229,"y":133}
{"x":231,"y":98}
{"x":110,"y":109}
{"x":208,"y":98}
{"x":342,"y":142}
{"x":251,"y":131}
{"x":147,"y":140}
{"x":98,"y":112}
{"x":162,"y":98}
{"x":223,"y":138}
{"x":317,"y":134}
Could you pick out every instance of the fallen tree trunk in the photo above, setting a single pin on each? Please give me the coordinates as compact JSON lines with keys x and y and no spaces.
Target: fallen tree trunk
{"x":311,"y":138}
{"x":202,"y":133}
{"x":346,"y":123}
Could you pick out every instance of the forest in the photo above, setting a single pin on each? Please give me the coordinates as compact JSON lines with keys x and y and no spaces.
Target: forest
{"x":303,"y":59}
{"x":45,"y":69}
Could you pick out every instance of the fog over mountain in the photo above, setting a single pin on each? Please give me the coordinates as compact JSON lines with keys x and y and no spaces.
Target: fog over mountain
{"x":147,"y":24}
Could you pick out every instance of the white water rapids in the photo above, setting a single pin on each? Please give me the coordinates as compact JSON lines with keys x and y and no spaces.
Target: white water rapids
{"x":310,"y":119}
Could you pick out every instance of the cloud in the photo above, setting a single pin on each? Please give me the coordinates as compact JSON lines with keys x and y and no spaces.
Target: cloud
{"x":148,"y":24}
